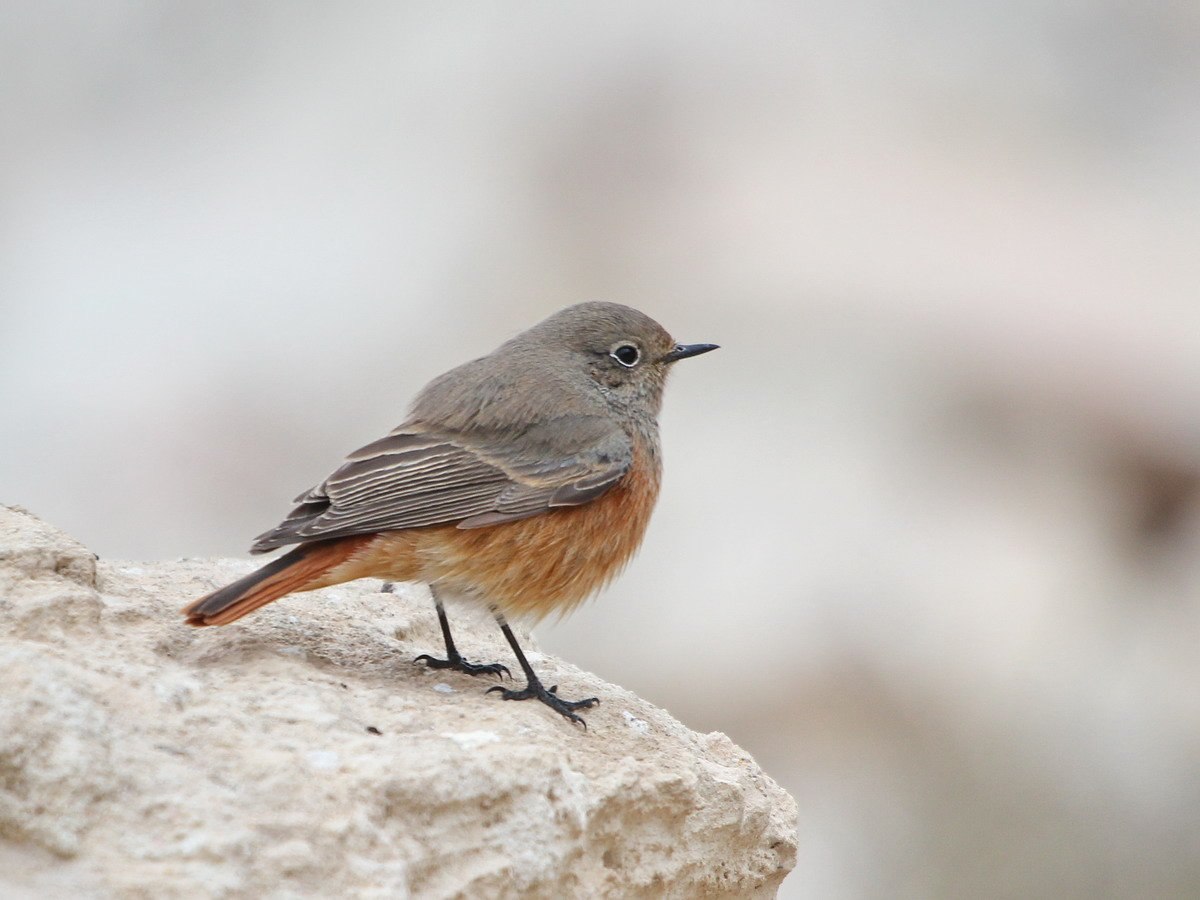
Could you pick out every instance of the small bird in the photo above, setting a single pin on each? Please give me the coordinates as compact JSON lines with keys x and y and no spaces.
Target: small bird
{"x":522,"y":480}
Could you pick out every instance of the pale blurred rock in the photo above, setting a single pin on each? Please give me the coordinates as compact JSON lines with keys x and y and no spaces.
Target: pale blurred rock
{"x":302,"y":753}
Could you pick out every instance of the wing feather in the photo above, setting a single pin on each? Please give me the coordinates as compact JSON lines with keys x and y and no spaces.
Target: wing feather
{"x":418,"y":476}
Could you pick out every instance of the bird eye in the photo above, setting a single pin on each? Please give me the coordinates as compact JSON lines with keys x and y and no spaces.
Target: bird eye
{"x":626,"y":354}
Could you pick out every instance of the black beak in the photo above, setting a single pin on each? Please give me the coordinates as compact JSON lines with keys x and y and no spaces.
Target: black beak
{"x":683,"y":351}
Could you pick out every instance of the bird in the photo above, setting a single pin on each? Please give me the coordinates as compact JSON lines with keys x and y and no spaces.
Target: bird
{"x":523,"y":480}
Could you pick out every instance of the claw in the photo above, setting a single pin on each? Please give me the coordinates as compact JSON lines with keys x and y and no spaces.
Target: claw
{"x":535,"y":691}
{"x":461,"y":665}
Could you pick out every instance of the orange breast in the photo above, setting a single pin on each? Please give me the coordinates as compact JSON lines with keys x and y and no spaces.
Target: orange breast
{"x":534,"y":566}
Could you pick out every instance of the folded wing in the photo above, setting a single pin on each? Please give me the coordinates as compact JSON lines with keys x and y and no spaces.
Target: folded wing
{"x":417,"y":476}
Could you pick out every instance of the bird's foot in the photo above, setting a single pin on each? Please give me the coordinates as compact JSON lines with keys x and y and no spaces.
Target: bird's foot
{"x":458,"y":664}
{"x":535,"y":691}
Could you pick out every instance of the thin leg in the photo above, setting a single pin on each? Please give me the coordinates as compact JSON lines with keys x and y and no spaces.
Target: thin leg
{"x":453,"y":660}
{"x":534,"y":690}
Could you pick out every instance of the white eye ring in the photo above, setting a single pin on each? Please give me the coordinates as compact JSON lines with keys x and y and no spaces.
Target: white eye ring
{"x":627,"y":355}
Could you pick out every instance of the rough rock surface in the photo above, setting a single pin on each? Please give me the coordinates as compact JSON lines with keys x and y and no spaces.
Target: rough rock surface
{"x":300,"y":752}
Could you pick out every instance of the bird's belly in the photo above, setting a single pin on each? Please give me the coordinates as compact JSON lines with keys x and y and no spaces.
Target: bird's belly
{"x":546,"y":563}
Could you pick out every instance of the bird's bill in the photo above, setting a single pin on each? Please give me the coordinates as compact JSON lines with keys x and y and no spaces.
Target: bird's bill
{"x":683,"y":351}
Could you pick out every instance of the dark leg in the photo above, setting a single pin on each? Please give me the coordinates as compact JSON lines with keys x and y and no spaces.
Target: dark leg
{"x":453,"y":660}
{"x":534,"y":690}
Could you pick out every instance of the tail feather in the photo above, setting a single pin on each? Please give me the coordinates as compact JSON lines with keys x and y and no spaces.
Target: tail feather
{"x":301,"y":569}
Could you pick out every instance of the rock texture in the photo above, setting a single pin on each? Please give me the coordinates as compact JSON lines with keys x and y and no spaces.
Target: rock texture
{"x":300,"y":753}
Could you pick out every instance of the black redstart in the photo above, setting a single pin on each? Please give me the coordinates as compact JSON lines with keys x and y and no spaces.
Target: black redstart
{"x":523,"y":480}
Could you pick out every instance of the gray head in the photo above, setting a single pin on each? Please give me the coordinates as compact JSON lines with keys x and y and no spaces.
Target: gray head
{"x":587,"y":354}
{"x":624,"y":351}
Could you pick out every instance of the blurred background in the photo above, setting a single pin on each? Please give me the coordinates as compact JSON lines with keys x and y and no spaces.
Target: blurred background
{"x":929,"y":540}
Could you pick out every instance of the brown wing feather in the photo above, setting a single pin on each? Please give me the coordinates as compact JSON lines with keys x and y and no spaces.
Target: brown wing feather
{"x":416,"y":476}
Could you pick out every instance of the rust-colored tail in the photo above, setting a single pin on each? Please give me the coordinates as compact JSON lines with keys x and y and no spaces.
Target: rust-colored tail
{"x":304,"y":568}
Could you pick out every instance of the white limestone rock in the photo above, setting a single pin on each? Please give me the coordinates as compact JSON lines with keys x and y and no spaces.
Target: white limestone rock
{"x":300,"y":752}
